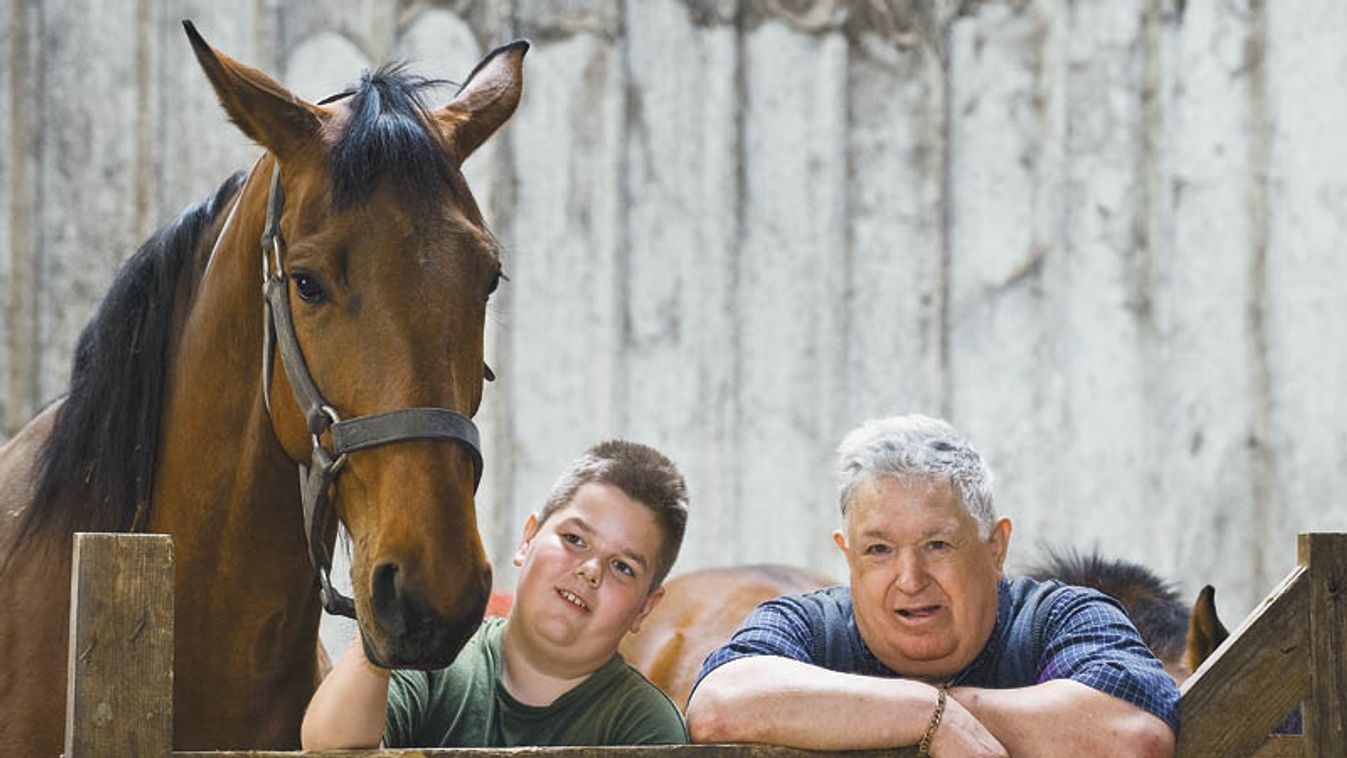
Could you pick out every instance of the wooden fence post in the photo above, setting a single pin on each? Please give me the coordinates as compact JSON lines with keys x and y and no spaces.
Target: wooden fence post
{"x":119,"y":676}
{"x":1246,"y":687}
{"x":1325,"y":558}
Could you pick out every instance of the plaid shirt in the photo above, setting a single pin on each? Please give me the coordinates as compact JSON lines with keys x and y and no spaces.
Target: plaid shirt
{"x":1086,"y":637}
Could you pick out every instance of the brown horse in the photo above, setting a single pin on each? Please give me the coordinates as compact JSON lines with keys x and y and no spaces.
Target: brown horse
{"x":1181,"y":638}
{"x":378,"y":267}
{"x":702,"y":609}
{"x":699,"y":612}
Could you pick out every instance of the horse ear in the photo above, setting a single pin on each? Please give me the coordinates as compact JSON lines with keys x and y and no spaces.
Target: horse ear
{"x":486,"y":100}
{"x":1205,"y":630}
{"x":268,"y":113}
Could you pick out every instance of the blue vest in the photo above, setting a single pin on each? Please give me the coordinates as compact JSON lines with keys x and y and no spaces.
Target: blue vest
{"x":1009,"y":659}
{"x":1017,"y":665}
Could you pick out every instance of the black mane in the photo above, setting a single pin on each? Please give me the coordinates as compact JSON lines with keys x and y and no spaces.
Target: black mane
{"x":1151,"y":602}
{"x":388,"y":135}
{"x":96,"y":470}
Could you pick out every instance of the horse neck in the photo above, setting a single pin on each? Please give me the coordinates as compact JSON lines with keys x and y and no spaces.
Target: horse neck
{"x":246,"y":597}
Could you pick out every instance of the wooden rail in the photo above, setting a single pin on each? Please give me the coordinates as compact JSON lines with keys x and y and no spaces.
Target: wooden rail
{"x":1292,"y":649}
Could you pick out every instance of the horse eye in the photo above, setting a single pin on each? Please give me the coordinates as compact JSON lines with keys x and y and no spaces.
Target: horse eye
{"x":310,"y":291}
{"x":487,"y":373}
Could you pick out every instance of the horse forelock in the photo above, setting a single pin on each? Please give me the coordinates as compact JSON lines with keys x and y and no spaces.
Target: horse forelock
{"x":389,"y":135}
{"x":96,"y":469}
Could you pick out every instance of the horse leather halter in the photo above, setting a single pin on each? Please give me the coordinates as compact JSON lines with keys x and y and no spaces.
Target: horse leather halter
{"x":349,"y":435}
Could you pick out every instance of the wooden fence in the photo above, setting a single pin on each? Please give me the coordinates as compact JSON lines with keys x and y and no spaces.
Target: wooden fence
{"x":1291,"y":649}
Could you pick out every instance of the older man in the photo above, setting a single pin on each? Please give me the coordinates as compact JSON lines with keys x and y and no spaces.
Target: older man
{"x":931,"y":645}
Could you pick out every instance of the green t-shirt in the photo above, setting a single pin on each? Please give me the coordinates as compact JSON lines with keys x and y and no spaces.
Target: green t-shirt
{"x":466,"y":705}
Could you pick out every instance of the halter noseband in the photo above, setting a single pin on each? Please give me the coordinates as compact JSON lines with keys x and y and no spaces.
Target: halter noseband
{"x":316,"y":478}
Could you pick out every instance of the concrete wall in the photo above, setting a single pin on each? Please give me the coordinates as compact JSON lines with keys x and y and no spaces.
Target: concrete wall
{"x":1099,"y":236}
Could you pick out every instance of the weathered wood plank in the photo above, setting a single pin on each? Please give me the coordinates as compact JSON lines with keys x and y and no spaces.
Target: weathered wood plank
{"x":661,"y":751}
{"x":18,"y":174}
{"x":562,"y":307}
{"x":1206,"y":398}
{"x":195,"y":147}
{"x":675,"y":375}
{"x":119,"y":693}
{"x":893,"y":317}
{"x":1006,"y":131}
{"x":1282,"y":746}
{"x":1325,"y":558}
{"x":92,"y":175}
{"x":1306,"y":313}
{"x":1106,"y":458}
{"x":555,"y":19}
{"x":789,"y":292}
{"x":12,"y":48}
{"x":363,"y":24}
{"x":1239,"y":694}
{"x":324,"y":64}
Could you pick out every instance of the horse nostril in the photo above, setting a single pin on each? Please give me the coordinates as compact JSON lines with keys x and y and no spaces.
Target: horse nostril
{"x":385,"y":597}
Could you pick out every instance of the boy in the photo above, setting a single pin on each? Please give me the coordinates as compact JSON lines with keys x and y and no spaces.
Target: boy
{"x":591,"y":565}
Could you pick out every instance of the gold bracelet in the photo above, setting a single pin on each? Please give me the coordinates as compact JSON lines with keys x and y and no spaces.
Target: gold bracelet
{"x":924,"y":747}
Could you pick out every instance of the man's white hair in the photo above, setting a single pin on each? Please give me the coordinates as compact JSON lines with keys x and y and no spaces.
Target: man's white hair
{"x":916,"y":448}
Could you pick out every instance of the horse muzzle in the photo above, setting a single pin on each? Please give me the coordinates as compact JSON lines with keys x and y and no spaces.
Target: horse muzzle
{"x":404,"y":632}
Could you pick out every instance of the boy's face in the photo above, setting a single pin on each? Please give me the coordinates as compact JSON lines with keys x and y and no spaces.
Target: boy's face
{"x":585,"y":575}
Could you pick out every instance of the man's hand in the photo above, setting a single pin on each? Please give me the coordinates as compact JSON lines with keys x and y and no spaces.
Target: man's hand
{"x":960,"y":734}
{"x":1062,"y":717}
{"x":785,"y":702}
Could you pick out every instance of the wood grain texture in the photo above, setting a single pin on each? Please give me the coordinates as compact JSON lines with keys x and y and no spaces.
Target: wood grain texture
{"x":653,"y":751}
{"x":789,"y":291}
{"x":119,"y":694}
{"x":1305,"y":310}
{"x":1325,"y":557}
{"x":1282,"y":746}
{"x":1208,"y":396}
{"x":1006,"y":261}
{"x":1248,"y":685}
{"x":676,"y":278}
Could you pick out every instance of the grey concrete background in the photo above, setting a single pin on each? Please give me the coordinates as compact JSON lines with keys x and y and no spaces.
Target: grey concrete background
{"x":1100,"y":236}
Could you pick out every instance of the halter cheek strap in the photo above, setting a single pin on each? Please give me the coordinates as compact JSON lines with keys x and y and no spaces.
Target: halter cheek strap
{"x":318,"y":478}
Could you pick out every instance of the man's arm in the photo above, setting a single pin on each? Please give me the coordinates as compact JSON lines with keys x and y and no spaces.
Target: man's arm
{"x":787,"y":702}
{"x":350,"y":706}
{"x":1062,"y":717}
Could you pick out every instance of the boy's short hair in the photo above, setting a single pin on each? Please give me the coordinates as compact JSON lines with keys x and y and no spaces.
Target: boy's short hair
{"x":645,"y":475}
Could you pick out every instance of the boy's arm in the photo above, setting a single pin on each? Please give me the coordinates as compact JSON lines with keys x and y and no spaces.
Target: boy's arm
{"x":350,"y":706}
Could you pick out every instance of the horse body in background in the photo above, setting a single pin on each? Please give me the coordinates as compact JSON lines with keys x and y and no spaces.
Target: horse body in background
{"x":699,"y":612}
{"x":702,"y":609}
{"x":383,"y":266}
{"x":1181,"y":637}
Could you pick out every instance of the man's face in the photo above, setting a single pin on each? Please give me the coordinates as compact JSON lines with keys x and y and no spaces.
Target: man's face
{"x":923,"y":583}
{"x":585,"y":576}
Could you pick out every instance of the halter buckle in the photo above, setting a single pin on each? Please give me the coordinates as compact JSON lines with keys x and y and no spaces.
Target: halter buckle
{"x":334,"y":466}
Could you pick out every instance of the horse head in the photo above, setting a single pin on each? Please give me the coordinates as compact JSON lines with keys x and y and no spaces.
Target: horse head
{"x":382,"y":266}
